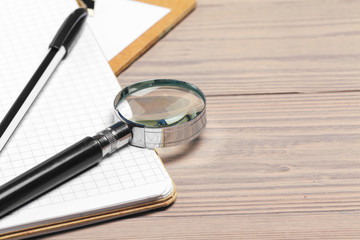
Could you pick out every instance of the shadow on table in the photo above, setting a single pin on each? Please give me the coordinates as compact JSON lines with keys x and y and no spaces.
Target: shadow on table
{"x":176,"y":153}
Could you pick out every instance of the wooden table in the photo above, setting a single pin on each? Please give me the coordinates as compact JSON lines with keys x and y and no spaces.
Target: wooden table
{"x":280,"y":158}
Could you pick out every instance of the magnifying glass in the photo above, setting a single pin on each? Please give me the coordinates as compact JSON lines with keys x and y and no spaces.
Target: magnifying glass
{"x":148,"y":114}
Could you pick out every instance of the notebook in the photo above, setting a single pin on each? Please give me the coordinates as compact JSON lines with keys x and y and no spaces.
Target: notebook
{"x":76,"y":102}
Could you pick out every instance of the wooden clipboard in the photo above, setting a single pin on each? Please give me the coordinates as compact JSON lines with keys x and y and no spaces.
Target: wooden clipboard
{"x":179,"y":10}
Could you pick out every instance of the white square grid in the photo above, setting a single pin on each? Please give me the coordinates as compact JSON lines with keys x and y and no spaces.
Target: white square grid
{"x":76,"y":102}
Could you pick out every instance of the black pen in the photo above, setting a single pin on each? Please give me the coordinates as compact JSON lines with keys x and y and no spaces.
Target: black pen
{"x":58,"y":49}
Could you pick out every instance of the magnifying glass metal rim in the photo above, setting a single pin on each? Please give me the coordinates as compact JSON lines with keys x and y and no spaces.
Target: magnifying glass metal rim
{"x":151,"y":137}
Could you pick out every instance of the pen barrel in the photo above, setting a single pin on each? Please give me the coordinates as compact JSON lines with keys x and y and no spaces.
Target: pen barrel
{"x":49,"y":174}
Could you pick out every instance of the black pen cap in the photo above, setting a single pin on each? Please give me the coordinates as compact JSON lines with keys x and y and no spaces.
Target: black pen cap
{"x":69,"y":30}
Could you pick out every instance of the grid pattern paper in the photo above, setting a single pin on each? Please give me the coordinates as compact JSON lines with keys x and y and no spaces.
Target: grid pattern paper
{"x":76,"y":102}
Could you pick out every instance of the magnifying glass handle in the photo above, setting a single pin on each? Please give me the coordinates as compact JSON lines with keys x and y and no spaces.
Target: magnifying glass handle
{"x":61,"y":167}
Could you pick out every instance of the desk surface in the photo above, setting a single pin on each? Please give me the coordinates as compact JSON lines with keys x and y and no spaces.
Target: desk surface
{"x":280,"y":158}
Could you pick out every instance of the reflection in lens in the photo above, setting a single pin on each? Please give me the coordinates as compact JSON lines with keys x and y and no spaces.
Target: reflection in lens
{"x":161,"y":106}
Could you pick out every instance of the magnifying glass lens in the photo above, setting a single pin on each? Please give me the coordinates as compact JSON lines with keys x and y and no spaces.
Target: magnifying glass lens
{"x":160,"y":106}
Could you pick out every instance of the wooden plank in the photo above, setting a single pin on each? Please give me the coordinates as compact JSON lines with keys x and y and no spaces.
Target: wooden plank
{"x":274,"y":167}
{"x":272,"y":154}
{"x":242,"y":47}
{"x":269,"y":226}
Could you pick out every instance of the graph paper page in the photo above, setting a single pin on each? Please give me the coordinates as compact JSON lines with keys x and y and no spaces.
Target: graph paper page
{"x":76,"y":102}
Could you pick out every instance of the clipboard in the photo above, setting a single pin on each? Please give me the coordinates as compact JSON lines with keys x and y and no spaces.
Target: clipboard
{"x":179,"y":10}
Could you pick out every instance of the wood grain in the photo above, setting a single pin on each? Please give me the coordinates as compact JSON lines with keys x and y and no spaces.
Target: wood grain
{"x":267,"y":226}
{"x":262,"y":46}
{"x":280,"y":158}
{"x":272,"y":154}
